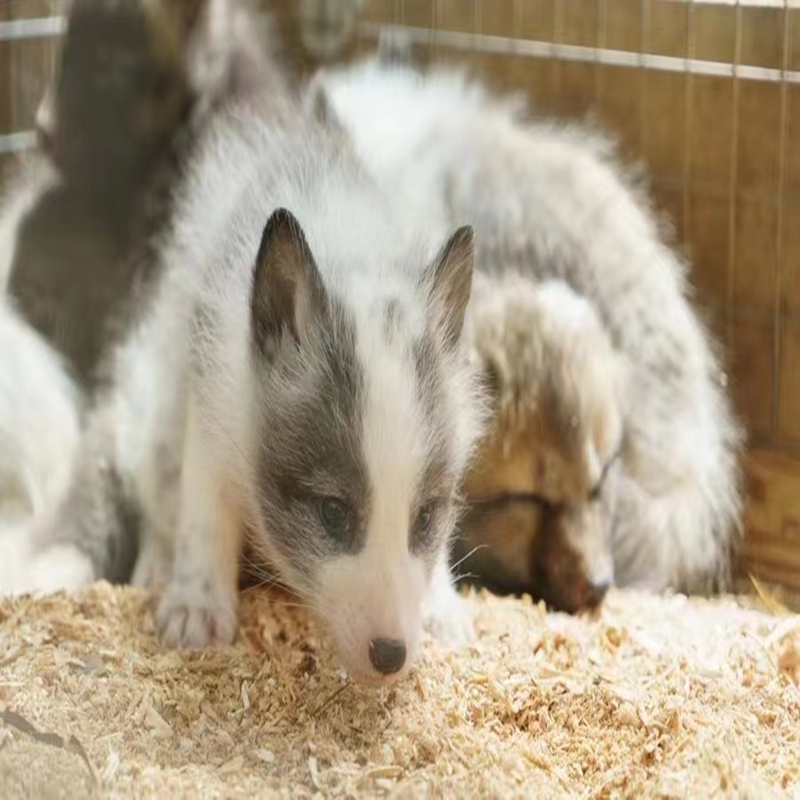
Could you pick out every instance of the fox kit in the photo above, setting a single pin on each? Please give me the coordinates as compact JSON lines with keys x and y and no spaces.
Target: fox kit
{"x":298,"y":380}
{"x":135,"y":85}
{"x":549,"y":203}
{"x":556,"y":385}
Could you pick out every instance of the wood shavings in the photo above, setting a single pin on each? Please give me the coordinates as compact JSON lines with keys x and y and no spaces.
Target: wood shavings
{"x":156,"y":723}
{"x":651,"y":697}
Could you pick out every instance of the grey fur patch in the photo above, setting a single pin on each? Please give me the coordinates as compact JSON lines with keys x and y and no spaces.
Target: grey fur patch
{"x":311,"y":432}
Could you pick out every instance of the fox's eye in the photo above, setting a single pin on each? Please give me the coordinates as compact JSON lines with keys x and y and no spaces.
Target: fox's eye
{"x":336,"y":517}
{"x":424,"y":519}
{"x":423,"y":526}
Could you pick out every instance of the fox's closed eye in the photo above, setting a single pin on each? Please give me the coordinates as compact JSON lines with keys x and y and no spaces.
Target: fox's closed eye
{"x":594,"y":494}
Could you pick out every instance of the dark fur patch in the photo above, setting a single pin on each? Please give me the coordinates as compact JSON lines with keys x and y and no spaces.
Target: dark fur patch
{"x":121,"y":92}
{"x":312,"y":431}
{"x":439,"y":479}
{"x":85,"y":262}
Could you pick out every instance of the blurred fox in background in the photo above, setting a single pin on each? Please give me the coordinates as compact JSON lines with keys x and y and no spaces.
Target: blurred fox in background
{"x":137,"y":85}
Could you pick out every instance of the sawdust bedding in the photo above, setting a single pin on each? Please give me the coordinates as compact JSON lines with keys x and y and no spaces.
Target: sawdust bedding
{"x":649,"y":697}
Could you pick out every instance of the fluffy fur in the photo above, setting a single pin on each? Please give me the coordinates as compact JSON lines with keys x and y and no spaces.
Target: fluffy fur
{"x":329,"y":380}
{"x":37,"y":393}
{"x":549,"y":202}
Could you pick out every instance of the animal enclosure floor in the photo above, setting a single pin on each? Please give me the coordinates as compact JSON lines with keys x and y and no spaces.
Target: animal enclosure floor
{"x":652,"y":697}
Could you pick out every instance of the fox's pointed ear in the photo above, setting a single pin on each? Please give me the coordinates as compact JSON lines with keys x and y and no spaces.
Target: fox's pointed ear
{"x":449,"y":281}
{"x":288,"y":297}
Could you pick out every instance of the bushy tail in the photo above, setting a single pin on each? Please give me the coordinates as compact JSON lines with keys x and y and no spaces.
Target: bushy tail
{"x":686,"y":538}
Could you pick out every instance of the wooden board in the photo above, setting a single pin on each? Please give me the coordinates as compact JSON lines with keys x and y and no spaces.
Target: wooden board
{"x":772,"y":519}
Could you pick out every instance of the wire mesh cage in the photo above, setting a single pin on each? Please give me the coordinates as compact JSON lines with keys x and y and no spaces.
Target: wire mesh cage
{"x":705,"y":94}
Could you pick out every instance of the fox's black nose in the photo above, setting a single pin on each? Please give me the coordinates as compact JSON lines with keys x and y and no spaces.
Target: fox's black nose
{"x":387,"y":655}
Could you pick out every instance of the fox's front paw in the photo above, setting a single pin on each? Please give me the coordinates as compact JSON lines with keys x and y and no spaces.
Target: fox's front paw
{"x":193,"y":617}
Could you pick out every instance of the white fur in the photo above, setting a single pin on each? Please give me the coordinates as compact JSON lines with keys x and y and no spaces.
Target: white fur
{"x":59,"y":568}
{"x":39,"y":436}
{"x":39,"y":416}
{"x":377,"y":593}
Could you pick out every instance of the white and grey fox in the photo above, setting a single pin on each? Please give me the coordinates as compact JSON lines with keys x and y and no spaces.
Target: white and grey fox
{"x":299,"y":379}
{"x":40,"y":403}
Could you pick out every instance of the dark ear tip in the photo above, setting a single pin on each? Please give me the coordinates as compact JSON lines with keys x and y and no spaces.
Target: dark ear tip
{"x":282,"y":222}
{"x":281,"y":216}
{"x":466,"y":233}
{"x":464,"y":237}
